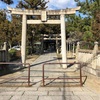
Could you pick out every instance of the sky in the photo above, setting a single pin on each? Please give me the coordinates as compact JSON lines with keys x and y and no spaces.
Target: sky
{"x":61,"y":4}
{"x":52,"y":4}
{"x":4,"y":6}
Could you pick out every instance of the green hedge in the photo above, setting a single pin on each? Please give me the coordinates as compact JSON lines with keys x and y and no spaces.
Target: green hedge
{"x":14,"y":54}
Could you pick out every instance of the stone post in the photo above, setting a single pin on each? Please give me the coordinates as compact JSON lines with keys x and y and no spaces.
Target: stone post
{"x":23,"y":42}
{"x":77,"y":51}
{"x":63,"y":40}
{"x":73,"y":48}
{"x":5,"y":48}
{"x":57,"y":50}
{"x":95,"y":50}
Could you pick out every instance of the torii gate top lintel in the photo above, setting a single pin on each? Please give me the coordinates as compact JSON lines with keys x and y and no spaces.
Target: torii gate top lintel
{"x":38,"y":12}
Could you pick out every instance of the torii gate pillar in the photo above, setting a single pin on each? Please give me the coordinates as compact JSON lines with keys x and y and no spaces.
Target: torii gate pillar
{"x":23,"y":42}
{"x":63,"y":40}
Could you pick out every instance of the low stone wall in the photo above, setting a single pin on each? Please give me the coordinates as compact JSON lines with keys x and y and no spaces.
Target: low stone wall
{"x":3,"y":55}
{"x":84,"y":55}
{"x":90,"y":60}
{"x":3,"y":52}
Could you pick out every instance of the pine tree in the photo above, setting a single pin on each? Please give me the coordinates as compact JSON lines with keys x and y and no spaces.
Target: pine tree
{"x":32,"y":4}
{"x":91,"y":9}
{"x":7,"y":1}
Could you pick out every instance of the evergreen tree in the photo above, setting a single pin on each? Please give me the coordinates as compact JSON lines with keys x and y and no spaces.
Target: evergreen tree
{"x":4,"y":23}
{"x":91,"y":8}
{"x":32,"y":4}
{"x":7,"y":1}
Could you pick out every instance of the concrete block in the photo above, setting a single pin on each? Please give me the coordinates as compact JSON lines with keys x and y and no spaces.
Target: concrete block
{"x":96,"y":97}
{"x":72,"y":89}
{"x":85,"y":98}
{"x":85,"y":93}
{"x":48,"y":89}
{"x":58,"y":98}
{"x":6,"y":89}
{"x":11,"y":93}
{"x":24,"y":98}
{"x":57,"y":93}
{"x":36,"y":93}
{"x":5,"y":97}
{"x":27,"y":89}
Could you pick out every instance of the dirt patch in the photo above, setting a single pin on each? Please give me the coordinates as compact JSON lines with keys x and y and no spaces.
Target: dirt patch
{"x":31,"y":58}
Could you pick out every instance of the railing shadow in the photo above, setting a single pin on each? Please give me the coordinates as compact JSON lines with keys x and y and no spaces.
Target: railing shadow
{"x":64,"y":96}
{"x":43,"y":62}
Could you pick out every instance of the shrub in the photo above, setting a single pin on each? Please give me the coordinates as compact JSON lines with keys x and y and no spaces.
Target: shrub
{"x":12,"y":54}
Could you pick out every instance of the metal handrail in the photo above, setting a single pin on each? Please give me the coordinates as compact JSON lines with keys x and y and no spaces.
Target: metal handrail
{"x":58,"y":77}
{"x":6,"y":63}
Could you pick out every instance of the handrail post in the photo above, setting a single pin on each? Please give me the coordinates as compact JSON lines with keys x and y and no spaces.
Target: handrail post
{"x":80,"y":75}
{"x":29,"y":75}
{"x":43,"y":74}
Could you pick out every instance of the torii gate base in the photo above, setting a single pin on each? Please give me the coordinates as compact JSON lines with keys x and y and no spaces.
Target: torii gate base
{"x":43,"y":20}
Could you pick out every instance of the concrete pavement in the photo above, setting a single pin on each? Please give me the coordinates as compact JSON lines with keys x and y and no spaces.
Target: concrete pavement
{"x":55,"y":90}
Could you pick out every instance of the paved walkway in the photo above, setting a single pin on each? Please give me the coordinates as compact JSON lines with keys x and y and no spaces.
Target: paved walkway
{"x":55,"y":90}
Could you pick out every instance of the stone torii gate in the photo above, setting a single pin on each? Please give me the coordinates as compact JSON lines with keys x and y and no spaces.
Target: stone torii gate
{"x":44,"y":20}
